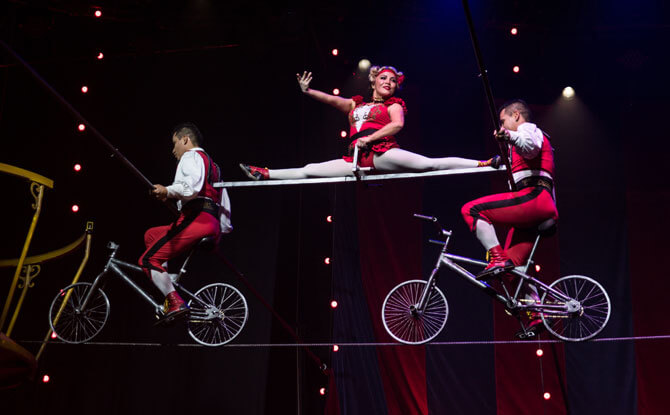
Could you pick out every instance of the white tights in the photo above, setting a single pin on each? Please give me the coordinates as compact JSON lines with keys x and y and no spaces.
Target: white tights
{"x":393,"y":161}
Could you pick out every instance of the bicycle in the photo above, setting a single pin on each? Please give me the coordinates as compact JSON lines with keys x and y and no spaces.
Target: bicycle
{"x":218,"y":311}
{"x":572,"y":308}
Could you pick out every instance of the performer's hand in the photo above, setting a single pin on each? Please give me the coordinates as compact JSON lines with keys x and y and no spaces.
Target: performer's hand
{"x":159,"y":192}
{"x":502,"y":134}
{"x":362,"y":143}
{"x":304,"y":80}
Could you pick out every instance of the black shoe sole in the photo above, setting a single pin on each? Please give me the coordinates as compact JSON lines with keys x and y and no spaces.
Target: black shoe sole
{"x":173,"y":317}
{"x":493,"y":272}
{"x":245,"y":169}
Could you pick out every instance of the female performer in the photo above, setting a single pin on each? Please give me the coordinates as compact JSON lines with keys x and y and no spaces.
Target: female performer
{"x":373,"y":128}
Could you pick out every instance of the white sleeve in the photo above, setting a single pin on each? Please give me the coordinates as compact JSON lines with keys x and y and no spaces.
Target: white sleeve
{"x":527,"y":139}
{"x":190,"y":177}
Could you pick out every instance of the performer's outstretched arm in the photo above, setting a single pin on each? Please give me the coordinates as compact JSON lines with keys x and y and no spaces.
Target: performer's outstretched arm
{"x":342,"y":104}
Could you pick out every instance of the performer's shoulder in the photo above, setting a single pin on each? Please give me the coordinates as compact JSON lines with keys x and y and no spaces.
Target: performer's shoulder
{"x":396,"y":100}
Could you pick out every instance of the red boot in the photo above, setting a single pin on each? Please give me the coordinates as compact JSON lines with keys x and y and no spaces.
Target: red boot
{"x":498,"y":263}
{"x":493,"y":162}
{"x":176,"y":309}
{"x":255,"y":173}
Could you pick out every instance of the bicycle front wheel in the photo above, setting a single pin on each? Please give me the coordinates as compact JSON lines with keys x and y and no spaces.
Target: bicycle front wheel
{"x":587,"y":313}
{"x":221,"y":316}
{"x":69,"y":321}
{"x":402,"y":319}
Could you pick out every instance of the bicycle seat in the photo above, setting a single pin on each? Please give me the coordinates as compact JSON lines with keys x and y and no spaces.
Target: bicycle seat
{"x":207,"y":243}
{"x":547,"y":228}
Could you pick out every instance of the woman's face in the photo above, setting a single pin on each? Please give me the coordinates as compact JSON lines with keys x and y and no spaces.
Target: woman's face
{"x":385,"y":85}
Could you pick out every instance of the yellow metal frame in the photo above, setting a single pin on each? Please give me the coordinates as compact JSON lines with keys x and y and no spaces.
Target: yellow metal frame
{"x":88,"y":235}
{"x":37,"y":185}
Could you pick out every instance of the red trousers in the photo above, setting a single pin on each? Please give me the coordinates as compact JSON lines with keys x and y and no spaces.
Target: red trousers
{"x":166,"y":242}
{"x":522,"y":210}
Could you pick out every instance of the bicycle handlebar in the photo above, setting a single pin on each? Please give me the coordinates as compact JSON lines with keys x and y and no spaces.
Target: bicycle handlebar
{"x":434,"y":220}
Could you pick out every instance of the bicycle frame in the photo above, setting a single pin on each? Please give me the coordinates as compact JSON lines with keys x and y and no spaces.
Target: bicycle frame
{"x":114,"y":265}
{"x":511,"y":302}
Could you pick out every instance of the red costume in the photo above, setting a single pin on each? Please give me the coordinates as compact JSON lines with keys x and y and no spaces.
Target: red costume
{"x":524,"y":209}
{"x":199,"y":217}
{"x":365,"y":119}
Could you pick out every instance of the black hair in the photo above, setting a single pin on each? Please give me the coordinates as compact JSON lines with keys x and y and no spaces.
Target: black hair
{"x":188,"y":129}
{"x":517,"y":105}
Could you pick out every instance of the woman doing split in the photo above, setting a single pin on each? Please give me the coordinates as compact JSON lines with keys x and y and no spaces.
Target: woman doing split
{"x":373,"y":126}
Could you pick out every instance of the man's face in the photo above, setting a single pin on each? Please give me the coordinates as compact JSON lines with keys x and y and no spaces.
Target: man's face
{"x":180,"y":146}
{"x":509,"y":121}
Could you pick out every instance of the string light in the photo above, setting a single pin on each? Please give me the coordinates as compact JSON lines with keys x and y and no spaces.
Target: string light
{"x":326,"y":261}
{"x":100,"y":56}
{"x":336,"y":348}
{"x":98,"y":13}
{"x":75,"y":208}
{"x":547,"y":396}
{"x":514,"y":31}
{"x":322,"y":391}
{"x":81,"y":127}
{"x":516,"y":69}
{"x":343,"y":134}
{"x":333,"y":304}
{"x":335,"y":52}
{"x":84,"y":89}
{"x":329,"y":219}
{"x":77,"y":167}
{"x":336,"y":91}
{"x":538,"y":268}
{"x":46,"y":379}
{"x":539,"y":352}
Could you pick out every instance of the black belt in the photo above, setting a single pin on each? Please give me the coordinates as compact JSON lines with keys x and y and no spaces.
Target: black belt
{"x":536,"y":181}
{"x":202,"y":205}
{"x":363,"y":133}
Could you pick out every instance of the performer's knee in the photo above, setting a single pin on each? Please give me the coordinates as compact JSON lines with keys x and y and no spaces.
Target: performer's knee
{"x":467,"y":213}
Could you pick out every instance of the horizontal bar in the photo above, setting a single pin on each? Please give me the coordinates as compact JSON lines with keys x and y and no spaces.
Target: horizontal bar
{"x":363,"y":178}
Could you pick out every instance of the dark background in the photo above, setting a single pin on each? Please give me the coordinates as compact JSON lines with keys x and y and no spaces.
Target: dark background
{"x":229,"y":67}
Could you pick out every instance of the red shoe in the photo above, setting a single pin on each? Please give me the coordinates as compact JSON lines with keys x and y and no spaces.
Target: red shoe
{"x":533,"y":328}
{"x":493,"y":162}
{"x":176,"y":309}
{"x":499,"y":263}
{"x":255,"y":173}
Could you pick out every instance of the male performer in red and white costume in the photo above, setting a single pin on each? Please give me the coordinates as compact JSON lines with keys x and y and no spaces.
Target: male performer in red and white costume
{"x":532,"y":161}
{"x":204,"y":211}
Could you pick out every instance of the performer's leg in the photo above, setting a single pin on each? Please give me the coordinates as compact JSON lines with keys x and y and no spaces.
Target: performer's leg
{"x":397,"y":159}
{"x":486,"y":234}
{"x":332,"y":168}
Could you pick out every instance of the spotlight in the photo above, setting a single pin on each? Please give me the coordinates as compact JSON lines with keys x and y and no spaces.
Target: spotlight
{"x":336,"y":347}
{"x":539,"y":352}
{"x":343,"y":134}
{"x":75,"y":208}
{"x":335,"y":52}
{"x":333,"y":304}
{"x":77,"y":167}
{"x":514,"y":31}
{"x":336,"y":91}
{"x":97,"y":13}
{"x":363,"y":65}
{"x":81,"y":127}
{"x":100,"y":56}
{"x":46,"y":379}
{"x":568,"y":92}
{"x":547,"y":396}
{"x":84,"y":89}
{"x":516,"y":69}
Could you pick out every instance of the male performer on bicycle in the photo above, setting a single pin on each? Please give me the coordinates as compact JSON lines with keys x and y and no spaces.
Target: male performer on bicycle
{"x":532,"y":161}
{"x":204,"y":211}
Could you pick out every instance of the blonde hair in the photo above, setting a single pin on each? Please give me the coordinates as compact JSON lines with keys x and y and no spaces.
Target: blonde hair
{"x":376,"y":70}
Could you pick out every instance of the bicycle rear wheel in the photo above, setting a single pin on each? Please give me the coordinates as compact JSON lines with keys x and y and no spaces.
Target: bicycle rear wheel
{"x":404,"y":322}
{"x":587,"y":314}
{"x":223,"y":317}
{"x":72,"y":324}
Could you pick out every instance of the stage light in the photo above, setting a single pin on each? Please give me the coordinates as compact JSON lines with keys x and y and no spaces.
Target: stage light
{"x":100,"y":55}
{"x":326,"y":261}
{"x":53,"y":335}
{"x":343,"y":134}
{"x":77,"y":167}
{"x":84,"y":89}
{"x":335,"y":52}
{"x":547,"y":396}
{"x":98,"y":13}
{"x":514,"y":31}
{"x":538,"y":268}
{"x":336,"y":91}
{"x":75,"y":208}
{"x":363,"y":65}
{"x":568,"y":92}
{"x":539,"y":352}
{"x":516,"y":69}
{"x":322,"y":391}
{"x":329,"y":219}
{"x":46,"y":379}
{"x":81,"y":127}
{"x":333,"y":304}
{"x":336,"y":347}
